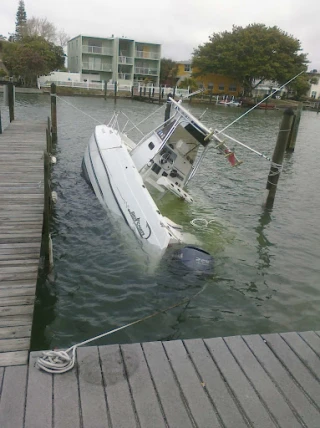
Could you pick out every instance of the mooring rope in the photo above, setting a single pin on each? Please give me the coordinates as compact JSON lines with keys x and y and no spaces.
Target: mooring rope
{"x":277,"y":168}
{"x":81,"y":111}
{"x":56,"y":362}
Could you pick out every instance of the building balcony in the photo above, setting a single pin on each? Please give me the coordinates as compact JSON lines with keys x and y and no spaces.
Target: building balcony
{"x":97,"y":50}
{"x":96,"y":67}
{"x":126,"y":60}
{"x":147,"y":55}
{"x":146,"y":71}
{"x":125,"y":76}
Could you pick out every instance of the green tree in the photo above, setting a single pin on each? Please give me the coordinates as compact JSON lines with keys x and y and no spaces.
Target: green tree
{"x":299,"y":87}
{"x":190,"y":83}
{"x":21,"y":19}
{"x":251,"y":55}
{"x":168,"y":72}
{"x":32,"y":57}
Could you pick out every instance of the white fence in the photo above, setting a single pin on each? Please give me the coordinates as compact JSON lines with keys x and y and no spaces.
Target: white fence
{"x":137,"y":88}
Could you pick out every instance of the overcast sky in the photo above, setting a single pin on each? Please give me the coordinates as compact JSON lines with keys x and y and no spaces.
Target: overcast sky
{"x":179,"y":25}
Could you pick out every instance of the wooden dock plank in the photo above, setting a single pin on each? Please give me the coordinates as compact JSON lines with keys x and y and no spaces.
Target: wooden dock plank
{"x":16,"y":310}
{"x":298,"y":370}
{"x":191,"y":385}
{"x":15,"y":332}
{"x":305,"y":353}
{"x":13,"y":345}
{"x":16,"y":358}
{"x":66,"y":405}
{"x":250,"y":402}
{"x":173,"y":402}
{"x":93,"y":404}
{"x":225,"y":403}
{"x":144,"y":395}
{"x":39,"y":397}
{"x":235,"y":382}
{"x":16,"y":320}
{"x":118,"y":395}
{"x":308,"y":413}
{"x":12,"y":403}
{"x":312,"y":339}
{"x":16,"y":291}
{"x":264,"y":386}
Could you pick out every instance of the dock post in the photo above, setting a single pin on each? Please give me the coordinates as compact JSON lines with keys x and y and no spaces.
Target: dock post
{"x":160,"y":94}
{"x":140,"y":94}
{"x":278,"y":154}
{"x":294,"y":129}
{"x":11,"y":100}
{"x":115,"y":90}
{"x":0,"y":123}
{"x":47,"y":205}
{"x":131,"y":91}
{"x":168,"y":108}
{"x":49,"y":139}
{"x":105,"y":89}
{"x":149,"y":94}
{"x":53,"y":97}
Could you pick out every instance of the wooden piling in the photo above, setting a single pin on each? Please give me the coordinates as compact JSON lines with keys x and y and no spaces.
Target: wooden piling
{"x":132,"y":91}
{"x":294,"y":129}
{"x":105,"y":89}
{"x":11,"y":100}
{"x":278,"y":154}
{"x":47,"y":206}
{"x":168,"y":108}
{"x":48,"y":135}
{"x":0,"y":123}
{"x":53,"y":96}
{"x":115,"y":90}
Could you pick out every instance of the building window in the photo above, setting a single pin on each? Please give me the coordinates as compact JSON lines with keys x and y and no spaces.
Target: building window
{"x":151,"y":145}
{"x":187,"y":67}
{"x":313,"y":94}
{"x":221,"y":86}
{"x":232,"y":87}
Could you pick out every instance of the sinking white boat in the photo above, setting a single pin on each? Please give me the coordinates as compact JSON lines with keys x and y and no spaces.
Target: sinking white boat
{"x":164,"y":160}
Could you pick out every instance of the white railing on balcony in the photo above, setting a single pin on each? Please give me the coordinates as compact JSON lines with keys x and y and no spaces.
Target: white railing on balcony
{"x":124,"y":76}
{"x":97,"y":50}
{"x":96,"y":67}
{"x":125,"y":60}
{"x":147,"y":55}
{"x":145,"y":70}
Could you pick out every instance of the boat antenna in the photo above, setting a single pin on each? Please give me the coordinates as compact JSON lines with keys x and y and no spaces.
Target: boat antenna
{"x":255,"y":106}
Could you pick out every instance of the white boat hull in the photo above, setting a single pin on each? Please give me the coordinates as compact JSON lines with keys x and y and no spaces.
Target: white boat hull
{"x":121,"y":191}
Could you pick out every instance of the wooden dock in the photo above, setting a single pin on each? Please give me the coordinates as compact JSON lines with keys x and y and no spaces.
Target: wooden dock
{"x":261,"y":381}
{"x":21,"y":214}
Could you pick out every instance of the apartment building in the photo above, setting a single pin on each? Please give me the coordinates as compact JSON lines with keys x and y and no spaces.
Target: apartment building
{"x":114,"y":59}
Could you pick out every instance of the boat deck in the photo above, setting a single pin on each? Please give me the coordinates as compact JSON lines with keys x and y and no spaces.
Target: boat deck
{"x":238,"y":382}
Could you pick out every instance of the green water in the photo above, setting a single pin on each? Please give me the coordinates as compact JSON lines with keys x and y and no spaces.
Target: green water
{"x":266,"y":263}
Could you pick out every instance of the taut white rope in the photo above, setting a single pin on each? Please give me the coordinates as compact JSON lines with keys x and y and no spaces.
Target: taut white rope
{"x":56,"y":362}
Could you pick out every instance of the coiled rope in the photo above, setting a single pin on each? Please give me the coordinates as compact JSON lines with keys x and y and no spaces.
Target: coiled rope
{"x":201,"y":223}
{"x":57,"y":362}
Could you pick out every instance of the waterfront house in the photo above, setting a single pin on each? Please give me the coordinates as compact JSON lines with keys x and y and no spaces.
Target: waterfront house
{"x":217,"y":83}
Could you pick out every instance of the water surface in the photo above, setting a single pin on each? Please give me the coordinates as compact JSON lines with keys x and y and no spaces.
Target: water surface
{"x":266,"y":262}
